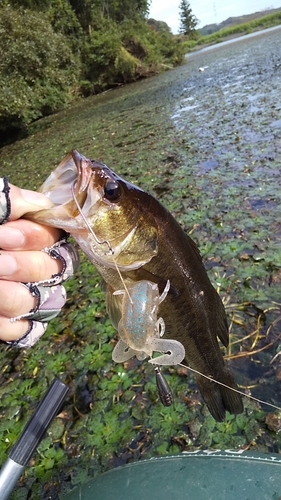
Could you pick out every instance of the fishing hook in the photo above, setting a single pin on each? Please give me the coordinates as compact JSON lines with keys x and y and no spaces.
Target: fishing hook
{"x":86,"y":222}
{"x":96,"y":238}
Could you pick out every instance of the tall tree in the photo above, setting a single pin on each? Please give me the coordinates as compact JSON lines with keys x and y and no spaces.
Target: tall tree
{"x":90,"y":12}
{"x":188,"y":21}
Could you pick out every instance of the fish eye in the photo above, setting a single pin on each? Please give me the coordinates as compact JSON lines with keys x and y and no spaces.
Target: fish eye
{"x":112,"y":191}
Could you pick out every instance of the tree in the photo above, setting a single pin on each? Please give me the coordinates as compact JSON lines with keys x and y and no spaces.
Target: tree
{"x":188,"y":21}
{"x":158,"y":26}
{"x":51,"y":50}
{"x":37,"y":69}
{"x":91,"y":12}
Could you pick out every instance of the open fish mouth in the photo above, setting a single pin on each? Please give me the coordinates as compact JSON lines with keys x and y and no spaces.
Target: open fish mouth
{"x":93,"y":204}
{"x":74,"y":172}
{"x":75,"y":191}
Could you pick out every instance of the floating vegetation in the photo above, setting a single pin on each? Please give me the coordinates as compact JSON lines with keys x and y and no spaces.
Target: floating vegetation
{"x":217,"y":168}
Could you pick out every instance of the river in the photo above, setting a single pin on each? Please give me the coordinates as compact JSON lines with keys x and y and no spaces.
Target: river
{"x":205,"y":139}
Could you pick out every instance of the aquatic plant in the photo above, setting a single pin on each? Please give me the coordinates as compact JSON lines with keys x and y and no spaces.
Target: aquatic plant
{"x":208,"y":146}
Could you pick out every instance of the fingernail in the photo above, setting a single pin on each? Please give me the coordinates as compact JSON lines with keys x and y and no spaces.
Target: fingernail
{"x":11,"y":238}
{"x":38,"y":199}
{"x":8,"y":265}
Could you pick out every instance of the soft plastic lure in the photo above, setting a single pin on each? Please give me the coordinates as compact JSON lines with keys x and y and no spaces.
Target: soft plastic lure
{"x":140,"y":331}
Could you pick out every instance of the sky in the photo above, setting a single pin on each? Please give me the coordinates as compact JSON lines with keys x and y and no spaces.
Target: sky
{"x":207,"y":11}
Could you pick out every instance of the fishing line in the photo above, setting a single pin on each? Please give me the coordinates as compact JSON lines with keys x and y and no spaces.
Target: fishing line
{"x":127,"y":292}
{"x":231,"y":388}
{"x":97,"y":240}
{"x":123,"y":282}
{"x":86,"y":222}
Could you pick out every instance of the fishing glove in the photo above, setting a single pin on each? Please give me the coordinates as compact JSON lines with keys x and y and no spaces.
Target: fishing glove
{"x":50,"y":293}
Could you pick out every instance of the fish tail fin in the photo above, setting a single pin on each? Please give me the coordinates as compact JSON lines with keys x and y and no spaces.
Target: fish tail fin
{"x":231,"y":398}
{"x":220,"y":399}
{"x":210,"y":392}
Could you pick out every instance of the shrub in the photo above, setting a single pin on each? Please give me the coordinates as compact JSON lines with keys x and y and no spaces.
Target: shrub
{"x":99,"y":55}
{"x":126,"y":65}
{"x":37,"y":69}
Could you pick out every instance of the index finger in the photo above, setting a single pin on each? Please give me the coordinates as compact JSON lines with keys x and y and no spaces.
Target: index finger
{"x":20,"y":234}
{"x":24,"y":200}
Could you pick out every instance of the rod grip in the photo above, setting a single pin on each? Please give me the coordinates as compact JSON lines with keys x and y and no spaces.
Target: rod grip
{"x":35,"y":428}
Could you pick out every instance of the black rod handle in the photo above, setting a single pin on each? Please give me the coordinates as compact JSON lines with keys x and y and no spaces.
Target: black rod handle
{"x":39,"y":422}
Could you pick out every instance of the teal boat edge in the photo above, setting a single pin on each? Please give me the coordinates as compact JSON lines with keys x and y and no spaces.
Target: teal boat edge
{"x":194,"y":475}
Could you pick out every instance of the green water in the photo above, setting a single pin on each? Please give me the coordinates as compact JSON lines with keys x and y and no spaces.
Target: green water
{"x":207,"y":144}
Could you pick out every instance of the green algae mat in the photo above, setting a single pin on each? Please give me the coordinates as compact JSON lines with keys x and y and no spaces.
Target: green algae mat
{"x":207,"y":145}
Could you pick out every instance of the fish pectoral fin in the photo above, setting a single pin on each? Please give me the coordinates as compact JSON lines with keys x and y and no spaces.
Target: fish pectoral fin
{"x":114,"y":306}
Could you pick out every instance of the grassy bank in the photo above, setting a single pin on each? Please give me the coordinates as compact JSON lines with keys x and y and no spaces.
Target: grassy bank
{"x":237,"y":30}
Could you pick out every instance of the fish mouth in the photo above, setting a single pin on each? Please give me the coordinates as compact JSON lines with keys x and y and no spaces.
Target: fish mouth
{"x":108,"y":232}
{"x":72,"y":188}
{"x":73,"y":173}
{"x":75,"y":189}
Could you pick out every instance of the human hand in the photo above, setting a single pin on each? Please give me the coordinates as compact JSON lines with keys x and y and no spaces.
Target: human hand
{"x":22,"y":261}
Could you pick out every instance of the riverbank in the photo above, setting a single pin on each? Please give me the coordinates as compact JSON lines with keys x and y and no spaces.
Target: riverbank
{"x":235,"y":31}
{"x":234,"y":38}
{"x":78,"y":51}
{"x":207,"y":145}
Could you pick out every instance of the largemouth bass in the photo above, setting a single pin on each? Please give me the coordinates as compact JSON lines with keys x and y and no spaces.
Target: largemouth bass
{"x":131,"y":230}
